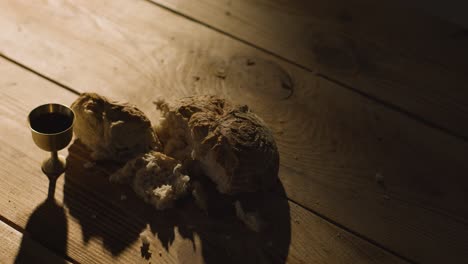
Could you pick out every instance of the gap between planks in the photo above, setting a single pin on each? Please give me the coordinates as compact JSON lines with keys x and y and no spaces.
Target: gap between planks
{"x":21,"y":230}
{"x":39,"y":74}
{"x":357,"y":234}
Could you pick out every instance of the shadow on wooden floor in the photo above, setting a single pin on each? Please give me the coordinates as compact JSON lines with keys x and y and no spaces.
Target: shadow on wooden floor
{"x":113,"y":213}
{"x":47,"y":226}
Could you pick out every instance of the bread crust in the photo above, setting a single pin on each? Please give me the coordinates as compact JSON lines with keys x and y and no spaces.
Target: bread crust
{"x":112,"y":130}
{"x":234,"y":146}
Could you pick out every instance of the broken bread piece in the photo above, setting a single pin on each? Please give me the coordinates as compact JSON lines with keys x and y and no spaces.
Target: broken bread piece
{"x":112,"y":130}
{"x":234,"y":147}
{"x":172,"y":128}
{"x":155,"y":177}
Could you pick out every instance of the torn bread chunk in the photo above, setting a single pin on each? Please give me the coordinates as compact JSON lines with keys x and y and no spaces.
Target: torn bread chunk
{"x":155,"y":177}
{"x":112,"y":130}
{"x":234,"y":146}
{"x":173,"y":128}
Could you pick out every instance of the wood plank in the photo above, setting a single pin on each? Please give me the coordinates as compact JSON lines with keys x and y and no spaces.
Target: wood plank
{"x":387,"y":50}
{"x":21,"y":248}
{"x":107,"y":228}
{"x":333,"y":142}
{"x":452,"y":12}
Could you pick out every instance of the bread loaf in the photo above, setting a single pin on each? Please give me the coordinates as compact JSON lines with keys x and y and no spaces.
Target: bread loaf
{"x":112,"y":130}
{"x":233,"y":145}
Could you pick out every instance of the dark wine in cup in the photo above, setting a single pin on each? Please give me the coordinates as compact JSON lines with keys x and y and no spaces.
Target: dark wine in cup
{"x":52,"y":130}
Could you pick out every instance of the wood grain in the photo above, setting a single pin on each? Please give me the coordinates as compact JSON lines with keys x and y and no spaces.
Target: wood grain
{"x":414,"y":62}
{"x":103,"y":228}
{"x":333,"y":142}
{"x":32,"y":252}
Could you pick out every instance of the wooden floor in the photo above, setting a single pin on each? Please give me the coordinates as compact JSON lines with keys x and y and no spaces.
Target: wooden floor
{"x":368,"y":103}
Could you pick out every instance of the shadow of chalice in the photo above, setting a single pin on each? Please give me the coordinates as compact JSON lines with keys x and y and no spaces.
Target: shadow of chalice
{"x":52,"y":130}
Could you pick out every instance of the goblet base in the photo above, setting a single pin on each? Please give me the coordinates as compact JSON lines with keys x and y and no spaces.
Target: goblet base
{"x":54,"y":166}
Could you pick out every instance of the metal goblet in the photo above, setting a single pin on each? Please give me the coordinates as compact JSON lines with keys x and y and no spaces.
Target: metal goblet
{"x":52,"y":130}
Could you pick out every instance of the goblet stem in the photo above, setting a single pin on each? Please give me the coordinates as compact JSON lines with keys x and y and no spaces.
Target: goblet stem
{"x":54,"y":157}
{"x":53,"y":166}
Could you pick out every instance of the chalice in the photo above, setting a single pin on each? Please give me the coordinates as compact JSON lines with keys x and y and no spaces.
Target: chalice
{"x":52,"y":130}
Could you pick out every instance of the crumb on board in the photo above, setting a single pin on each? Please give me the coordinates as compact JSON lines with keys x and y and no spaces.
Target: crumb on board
{"x":93,"y":216}
{"x":89,"y":165}
{"x":145,"y":245}
{"x":221,"y":73}
{"x":379,"y":178}
{"x":145,"y":238}
{"x":123,"y":197}
{"x":250,"y":62}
